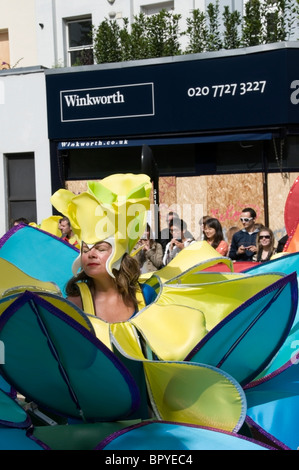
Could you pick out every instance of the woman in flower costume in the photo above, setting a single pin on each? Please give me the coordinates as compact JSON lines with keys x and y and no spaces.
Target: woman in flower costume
{"x":199,"y":329}
{"x":108,"y":225}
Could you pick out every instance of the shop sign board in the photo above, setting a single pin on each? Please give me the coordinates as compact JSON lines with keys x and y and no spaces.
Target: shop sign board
{"x":183,"y":95}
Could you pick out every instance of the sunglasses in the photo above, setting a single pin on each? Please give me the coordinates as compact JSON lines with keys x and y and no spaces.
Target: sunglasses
{"x":246,"y":219}
{"x":264,"y":236}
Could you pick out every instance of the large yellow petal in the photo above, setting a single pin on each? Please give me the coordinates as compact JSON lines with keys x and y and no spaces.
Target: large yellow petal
{"x":195,"y":394}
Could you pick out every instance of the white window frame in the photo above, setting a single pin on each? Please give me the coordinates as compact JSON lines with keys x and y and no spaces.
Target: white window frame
{"x":70,"y":49}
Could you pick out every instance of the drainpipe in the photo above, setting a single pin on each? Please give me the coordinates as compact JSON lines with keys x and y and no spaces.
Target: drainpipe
{"x":131,"y":11}
{"x":54,"y":31}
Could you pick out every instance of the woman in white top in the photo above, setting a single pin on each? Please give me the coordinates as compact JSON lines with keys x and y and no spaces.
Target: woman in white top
{"x":178,"y":242}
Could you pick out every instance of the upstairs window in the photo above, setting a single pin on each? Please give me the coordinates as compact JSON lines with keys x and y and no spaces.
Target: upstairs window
{"x":4,"y":50}
{"x":155,"y":8}
{"x":79,"y":42}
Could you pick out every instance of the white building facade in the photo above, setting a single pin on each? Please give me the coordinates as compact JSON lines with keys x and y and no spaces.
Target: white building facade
{"x":34,"y":35}
{"x":46,"y":32}
{"x":25,"y":179}
{"x":42,"y":32}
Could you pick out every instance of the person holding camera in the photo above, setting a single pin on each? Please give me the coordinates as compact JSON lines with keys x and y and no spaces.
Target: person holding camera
{"x":243,"y":245}
{"x":149,"y":253}
{"x":178,"y":242}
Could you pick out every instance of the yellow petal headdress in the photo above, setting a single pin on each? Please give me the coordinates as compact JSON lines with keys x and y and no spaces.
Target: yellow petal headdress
{"x":112,"y":210}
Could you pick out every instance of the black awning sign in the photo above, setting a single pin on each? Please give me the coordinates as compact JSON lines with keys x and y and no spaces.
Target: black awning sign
{"x":191,"y":95}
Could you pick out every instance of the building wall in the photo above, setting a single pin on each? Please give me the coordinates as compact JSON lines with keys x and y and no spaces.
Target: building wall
{"x":53,"y":14}
{"x":37,"y":33}
{"x":23,"y":124}
{"x":51,"y":40}
{"x":18,"y":17}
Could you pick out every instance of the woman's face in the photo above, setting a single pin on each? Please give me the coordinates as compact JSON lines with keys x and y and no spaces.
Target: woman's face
{"x":209,"y":231}
{"x":94,"y":258}
{"x":176,"y":232}
{"x":264,"y":238}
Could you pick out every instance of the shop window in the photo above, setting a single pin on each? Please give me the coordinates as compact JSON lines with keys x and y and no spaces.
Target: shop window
{"x":79,"y":42}
{"x":236,"y":157}
{"x":21,"y":194}
{"x":98,"y":163}
{"x":187,"y":159}
{"x":285,"y":154}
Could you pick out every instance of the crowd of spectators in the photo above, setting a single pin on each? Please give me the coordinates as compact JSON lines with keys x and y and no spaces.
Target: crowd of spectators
{"x":251,"y":241}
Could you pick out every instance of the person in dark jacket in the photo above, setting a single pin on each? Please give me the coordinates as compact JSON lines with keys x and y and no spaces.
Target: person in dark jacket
{"x":281,"y":243}
{"x":243,"y":245}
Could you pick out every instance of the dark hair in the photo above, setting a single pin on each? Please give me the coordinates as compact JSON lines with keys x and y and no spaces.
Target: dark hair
{"x":173,"y":214}
{"x":65,"y":219}
{"x":180,"y":223}
{"x":215,"y":224}
{"x":21,"y":220}
{"x":148,"y":229}
{"x":251,"y":211}
{"x":204,"y":218}
{"x":230,"y":232}
{"x":150,"y":238}
{"x":126,"y":280}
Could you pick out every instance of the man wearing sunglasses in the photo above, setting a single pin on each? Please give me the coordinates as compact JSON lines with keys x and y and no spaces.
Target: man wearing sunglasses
{"x":243,"y":245}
